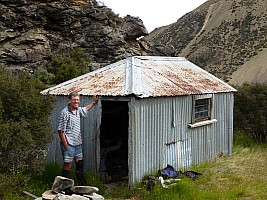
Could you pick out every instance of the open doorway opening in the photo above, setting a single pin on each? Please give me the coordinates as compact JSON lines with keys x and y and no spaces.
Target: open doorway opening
{"x":114,"y":141}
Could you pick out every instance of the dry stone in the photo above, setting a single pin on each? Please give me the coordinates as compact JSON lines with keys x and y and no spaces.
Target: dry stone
{"x":94,"y":196}
{"x":133,"y":27}
{"x":61,"y":183}
{"x":84,"y":189}
{"x":49,"y":194}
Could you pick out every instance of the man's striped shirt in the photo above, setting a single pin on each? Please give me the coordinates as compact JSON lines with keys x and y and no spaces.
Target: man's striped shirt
{"x":70,"y":124}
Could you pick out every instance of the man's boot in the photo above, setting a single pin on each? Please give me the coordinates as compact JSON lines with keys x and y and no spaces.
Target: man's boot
{"x":80,"y":174}
{"x":65,"y":173}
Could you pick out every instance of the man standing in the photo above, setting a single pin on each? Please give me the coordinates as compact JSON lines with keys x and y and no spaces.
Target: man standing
{"x":69,"y":130}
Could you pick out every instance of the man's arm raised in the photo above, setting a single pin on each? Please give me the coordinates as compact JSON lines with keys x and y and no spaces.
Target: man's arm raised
{"x":89,"y":106}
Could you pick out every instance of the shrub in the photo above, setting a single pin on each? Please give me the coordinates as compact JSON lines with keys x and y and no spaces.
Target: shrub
{"x":66,"y":65}
{"x":24,"y":126}
{"x":11,"y":184}
{"x":43,"y":75}
{"x":250,"y":111}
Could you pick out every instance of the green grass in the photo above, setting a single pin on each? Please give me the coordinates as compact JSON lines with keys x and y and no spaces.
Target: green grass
{"x":240,"y":176}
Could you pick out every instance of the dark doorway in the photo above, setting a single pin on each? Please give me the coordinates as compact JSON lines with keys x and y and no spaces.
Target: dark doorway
{"x":114,"y":141}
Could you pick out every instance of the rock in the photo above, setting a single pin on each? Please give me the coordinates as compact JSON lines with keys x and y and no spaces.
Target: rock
{"x":72,"y":197}
{"x":61,"y":183}
{"x":115,"y":39}
{"x":8,"y":35}
{"x":49,"y":194}
{"x":133,"y":27}
{"x":84,"y":189}
{"x":19,"y":2}
{"x":99,"y":16}
{"x":94,"y":196}
{"x":32,"y":31}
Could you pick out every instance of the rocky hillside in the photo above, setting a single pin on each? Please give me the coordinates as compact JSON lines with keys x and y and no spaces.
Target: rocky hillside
{"x":221,"y":36}
{"x":32,"y":30}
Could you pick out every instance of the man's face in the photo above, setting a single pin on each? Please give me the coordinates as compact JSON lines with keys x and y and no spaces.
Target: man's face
{"x":74,"y":101}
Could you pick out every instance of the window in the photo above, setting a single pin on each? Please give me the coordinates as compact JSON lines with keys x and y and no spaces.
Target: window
{"x":202,"y":110}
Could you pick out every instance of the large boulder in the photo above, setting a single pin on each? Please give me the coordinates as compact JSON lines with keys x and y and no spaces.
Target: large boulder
{"x":133,"y":27}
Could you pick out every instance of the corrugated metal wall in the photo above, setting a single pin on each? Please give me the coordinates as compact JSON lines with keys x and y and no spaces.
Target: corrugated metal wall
{"x":159,"y":127}
{"x":88,"y":128}
{"x":215,"y":139}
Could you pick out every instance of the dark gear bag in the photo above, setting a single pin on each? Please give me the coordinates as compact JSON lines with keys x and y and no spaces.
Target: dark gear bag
{"x":169,"y":172}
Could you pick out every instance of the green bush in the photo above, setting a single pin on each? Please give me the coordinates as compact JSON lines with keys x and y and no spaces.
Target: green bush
{"x":10,"y":184}
{"x":250,"y":111}
{"x":241,"y":139}
{"x":24,"y":126}
{"x":66,"y":65}
{"x":43,"y":75}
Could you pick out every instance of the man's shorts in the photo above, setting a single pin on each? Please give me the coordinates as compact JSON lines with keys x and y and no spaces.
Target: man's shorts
{"x":71,"y":153}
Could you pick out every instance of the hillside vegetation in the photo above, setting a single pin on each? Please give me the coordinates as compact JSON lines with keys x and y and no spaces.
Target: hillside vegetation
{"x":220,"y":36}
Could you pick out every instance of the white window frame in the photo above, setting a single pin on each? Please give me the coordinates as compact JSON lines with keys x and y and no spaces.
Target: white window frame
{"x":204,"y":121}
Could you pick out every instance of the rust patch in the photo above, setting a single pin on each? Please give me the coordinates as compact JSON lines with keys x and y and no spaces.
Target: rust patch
{"x":170,"y":143}
{"x":154,"y":76}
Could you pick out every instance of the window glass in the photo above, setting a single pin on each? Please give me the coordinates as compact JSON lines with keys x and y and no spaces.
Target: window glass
{"x":202,"y":109}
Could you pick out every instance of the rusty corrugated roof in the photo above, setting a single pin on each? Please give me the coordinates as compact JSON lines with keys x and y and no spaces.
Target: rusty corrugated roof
{"x":144,"y":76}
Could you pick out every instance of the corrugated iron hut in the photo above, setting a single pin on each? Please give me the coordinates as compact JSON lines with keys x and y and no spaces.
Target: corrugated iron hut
{"x":153,"y":111}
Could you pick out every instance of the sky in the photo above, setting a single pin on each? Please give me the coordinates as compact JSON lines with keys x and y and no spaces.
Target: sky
{"x":155,"y":13}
